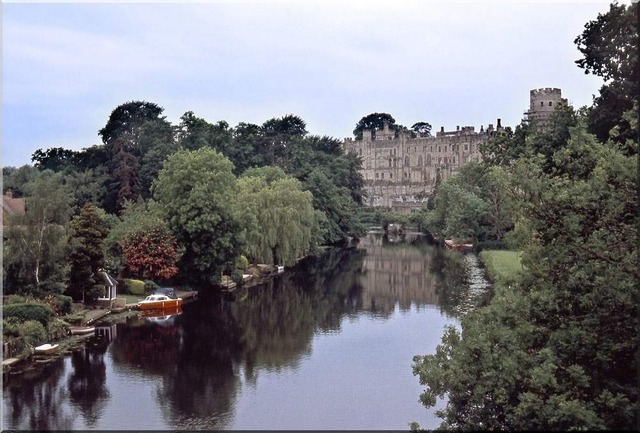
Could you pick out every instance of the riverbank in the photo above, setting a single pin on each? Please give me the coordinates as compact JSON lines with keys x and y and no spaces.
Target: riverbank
{"x":80,"y":333}
{"x":502,"y":267}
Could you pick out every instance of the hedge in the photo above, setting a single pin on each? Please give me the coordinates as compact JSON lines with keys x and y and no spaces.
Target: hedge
{"x":24,"y":312}
{"x":135,"y":287}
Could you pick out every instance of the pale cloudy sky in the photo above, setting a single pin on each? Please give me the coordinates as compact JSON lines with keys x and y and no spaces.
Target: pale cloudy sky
{"x":66,"y":66}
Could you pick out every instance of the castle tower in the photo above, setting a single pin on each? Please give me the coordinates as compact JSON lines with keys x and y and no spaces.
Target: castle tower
{"x":542,"y":102}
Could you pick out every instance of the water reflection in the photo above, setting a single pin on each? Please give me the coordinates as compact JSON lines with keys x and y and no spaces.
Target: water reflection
{"x":203,"y":365}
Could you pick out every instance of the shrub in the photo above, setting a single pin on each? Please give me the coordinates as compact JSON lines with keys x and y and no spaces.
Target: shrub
{"x":95,"y":292}
{"x":242,"y":263}
{"x":60,"y":304}
{"x":25,"y":312}
{"x":135,"y":287}
{"x":10,"y":327}
{"x":236,"y":276}
{"x":58,"y":329}
{"x":150,"y":286}
{"x":33,"y":332}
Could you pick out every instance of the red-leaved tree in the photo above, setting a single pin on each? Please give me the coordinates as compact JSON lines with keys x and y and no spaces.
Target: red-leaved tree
{"x":151,"y":254}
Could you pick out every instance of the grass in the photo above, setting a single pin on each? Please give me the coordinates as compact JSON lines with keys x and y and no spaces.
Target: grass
{"x":502,"y":267}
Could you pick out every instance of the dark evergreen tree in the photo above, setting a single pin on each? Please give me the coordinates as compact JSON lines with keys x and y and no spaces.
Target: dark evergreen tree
{"x":86,"y":253}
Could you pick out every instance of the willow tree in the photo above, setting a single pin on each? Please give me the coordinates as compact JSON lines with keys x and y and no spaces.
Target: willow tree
{"x":281,"y":220}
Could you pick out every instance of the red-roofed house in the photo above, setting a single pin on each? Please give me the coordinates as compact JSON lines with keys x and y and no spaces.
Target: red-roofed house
{"x":11,"y":206}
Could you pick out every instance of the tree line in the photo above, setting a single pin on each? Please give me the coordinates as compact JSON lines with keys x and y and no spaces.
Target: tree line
{"x":557,"y":349}
{"x":179,"y":202}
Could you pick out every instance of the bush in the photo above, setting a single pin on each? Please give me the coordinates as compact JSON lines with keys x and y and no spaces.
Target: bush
{"x":10,"y":327}
{"x":60,"y":304}
{"x":95,"y":292}
{"x":242,"y":263}
{"x":150,"y":286}
{"x":58,"y":329}
{"x":134,"y":287}
{"x":236,"y":276}
{"x":33,"y":332}
{"x":25,"y":312}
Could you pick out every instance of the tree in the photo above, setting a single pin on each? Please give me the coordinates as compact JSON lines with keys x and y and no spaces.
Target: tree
{"x":151,"y":254}
{"x":86,"y":255}
{"x":557,"y":351}
{"x":126,"y":122}
{"x":194,"y":194}
{"x":422,"y":129}
{"x":282,"y":219}
{"x":34,"y":249}
{"x":374,"y":122}
{"x":277,"y":135}
{"x":15,"y":179}
{"x":125,"y":171}
{"x":609,"y":45}
{"x":54,"y":159}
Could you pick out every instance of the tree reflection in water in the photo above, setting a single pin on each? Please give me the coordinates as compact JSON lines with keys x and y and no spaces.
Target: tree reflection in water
{"x":87,"y":381}
{"x":203,"y":357}
{"x":34,"y":403}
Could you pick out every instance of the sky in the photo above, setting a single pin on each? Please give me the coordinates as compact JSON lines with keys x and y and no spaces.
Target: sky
{"x":67,"y":66}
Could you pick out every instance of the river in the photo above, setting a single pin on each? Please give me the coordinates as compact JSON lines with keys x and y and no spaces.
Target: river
{"x":325,"y":345}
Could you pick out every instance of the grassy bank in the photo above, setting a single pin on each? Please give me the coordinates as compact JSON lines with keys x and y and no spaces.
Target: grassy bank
{"x":502,"y":267}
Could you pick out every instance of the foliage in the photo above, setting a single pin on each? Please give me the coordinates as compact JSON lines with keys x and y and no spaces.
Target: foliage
{"x":54,"y":159}
{"x":33,"y":332}
{"x":557,"y":351}
{"x":374,"y":122}
{"x":58,"y":329}
{"x":31,"y":311}
{"x":150,"y":286}
{"x":281,"y":216}
{"x":36,"y":241}
{"x":15,"y":179}
{"x":135,"y":287}
{"x":609,"y":45}
{"x":242,"y":263}
{"x":60,"y":304}
{"x":421,"y":129}
{"x":194,"y":193}
{"x":86,"y":256}
{"x":151,"y":254}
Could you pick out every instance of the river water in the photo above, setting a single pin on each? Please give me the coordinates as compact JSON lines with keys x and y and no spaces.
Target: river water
{"x":326,"y":345}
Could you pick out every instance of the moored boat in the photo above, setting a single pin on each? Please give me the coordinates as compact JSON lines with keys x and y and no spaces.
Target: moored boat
{"x":159,"y":301}
{"x":458,"y":247}
{"x":46,"y":349}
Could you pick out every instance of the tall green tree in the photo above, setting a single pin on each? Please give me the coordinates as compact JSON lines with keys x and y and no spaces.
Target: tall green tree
{"x":558,"y":350}
{"x":374,"y":122}
{"x":282,"y":222}
{"x":86,"y":253}
{"x":35,"y":244}
{"x":609,"y":45}
{"x":194,"y":194}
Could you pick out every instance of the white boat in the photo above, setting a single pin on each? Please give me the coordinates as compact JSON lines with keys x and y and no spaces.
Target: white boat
{"x":46,"y":349}
{"x":158,"y":301}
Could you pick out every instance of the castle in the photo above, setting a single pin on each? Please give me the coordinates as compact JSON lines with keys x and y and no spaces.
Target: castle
{"x":400,"y":169}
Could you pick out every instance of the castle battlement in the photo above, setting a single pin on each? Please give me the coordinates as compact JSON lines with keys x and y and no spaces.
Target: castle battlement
{"x":402,"y":168}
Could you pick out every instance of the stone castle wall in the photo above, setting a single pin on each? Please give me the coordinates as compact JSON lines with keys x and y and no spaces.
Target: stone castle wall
{"x":400,"y":171}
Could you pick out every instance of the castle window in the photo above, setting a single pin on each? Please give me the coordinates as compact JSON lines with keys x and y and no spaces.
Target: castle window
{"x":542,"y":104}
{"x":383,"y":175}
{"x":428,"y":159}
{"x":390,"y":151}
{"x":466,"y":146}
{"x":389,"y":162}
{"x":419,"y":160}
{"x":406,"y":161}
{"x":445,"y":148}
{"x":550,"y":103}
{"x":439,"y":149}
{"x":414,"y":148}
{"x":453,"y":159}
{"x":391,"y":175}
